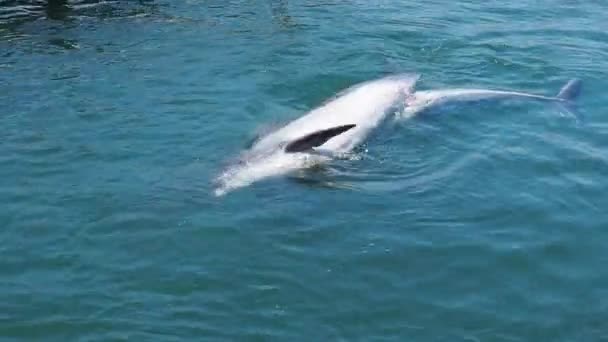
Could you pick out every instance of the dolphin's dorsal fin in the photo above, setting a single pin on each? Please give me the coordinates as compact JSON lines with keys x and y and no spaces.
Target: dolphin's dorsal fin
{"x":315,"y":139}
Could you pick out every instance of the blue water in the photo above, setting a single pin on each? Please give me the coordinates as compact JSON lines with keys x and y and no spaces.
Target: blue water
{"x":481,"y":223}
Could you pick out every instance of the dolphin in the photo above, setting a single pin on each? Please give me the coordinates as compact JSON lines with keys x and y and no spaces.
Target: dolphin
{"x":327,"y":132}
{"x":424,"y":100}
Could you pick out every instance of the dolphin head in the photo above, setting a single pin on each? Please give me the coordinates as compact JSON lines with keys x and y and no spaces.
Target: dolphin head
{"x":253,"y":167}
{"x":262,"y":161}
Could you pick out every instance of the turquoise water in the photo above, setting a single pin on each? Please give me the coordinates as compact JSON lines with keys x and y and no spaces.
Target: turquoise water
{"x":483,"y":223}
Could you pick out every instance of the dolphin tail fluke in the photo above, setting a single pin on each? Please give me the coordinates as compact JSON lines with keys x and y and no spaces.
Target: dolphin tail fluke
{"x":571,"y":90}
{"x":568,"y":96}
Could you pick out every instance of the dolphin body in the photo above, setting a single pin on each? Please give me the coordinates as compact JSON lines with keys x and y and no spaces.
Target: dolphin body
{"x":424,"y":100}
{"x":326,"y":132}
{"x":345,"y":121}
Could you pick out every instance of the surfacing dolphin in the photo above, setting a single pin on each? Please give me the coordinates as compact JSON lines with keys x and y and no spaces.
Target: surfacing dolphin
{"x":423,"y":100}
{"x":326,"y":132}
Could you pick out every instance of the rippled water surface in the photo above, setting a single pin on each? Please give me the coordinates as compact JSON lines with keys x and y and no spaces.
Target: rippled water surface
{"x":483,"y":222}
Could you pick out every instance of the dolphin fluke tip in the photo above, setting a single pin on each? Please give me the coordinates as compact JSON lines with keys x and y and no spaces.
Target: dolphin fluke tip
{"x":571,"y":90}
{"x":567,"y":97}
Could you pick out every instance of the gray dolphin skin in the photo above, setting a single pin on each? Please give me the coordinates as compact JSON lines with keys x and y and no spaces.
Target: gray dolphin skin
{"x":424,"y":100}
{"x":330,"y":130}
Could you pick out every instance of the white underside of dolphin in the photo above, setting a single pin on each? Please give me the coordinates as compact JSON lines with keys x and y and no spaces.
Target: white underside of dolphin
{"x":333,"y":128}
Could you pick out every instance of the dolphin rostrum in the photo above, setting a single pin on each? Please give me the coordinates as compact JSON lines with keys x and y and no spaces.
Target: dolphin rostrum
{"x":424,"y":100}
{"x":332,"y":129}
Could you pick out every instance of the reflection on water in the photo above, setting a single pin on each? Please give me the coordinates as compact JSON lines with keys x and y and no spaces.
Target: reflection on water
{"x":281,"y":15}
{"x":45,"y":22}
{"x":19,"y":11}
{"x":15,"y":15}
{"x":57,"y":9}
{"x":15,"y":12}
